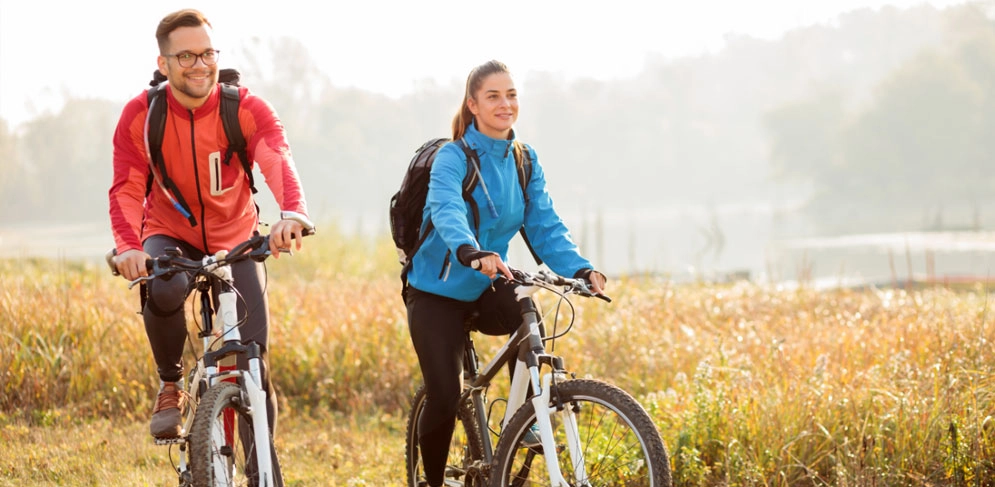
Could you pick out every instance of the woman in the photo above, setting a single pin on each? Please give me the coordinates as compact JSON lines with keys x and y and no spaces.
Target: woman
{"x":443,"y":289}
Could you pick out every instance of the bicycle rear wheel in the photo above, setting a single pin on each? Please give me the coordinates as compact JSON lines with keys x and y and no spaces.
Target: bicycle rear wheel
{"x":466,"y":449}
{"x":222,"y":450}
{"x":618,"y":440}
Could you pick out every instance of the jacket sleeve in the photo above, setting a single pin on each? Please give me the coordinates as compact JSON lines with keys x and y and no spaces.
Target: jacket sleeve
{"x":547,"y":232}
{"x":267,"y":145}
{"x":444,"y":200}
{"x":131,"y":172}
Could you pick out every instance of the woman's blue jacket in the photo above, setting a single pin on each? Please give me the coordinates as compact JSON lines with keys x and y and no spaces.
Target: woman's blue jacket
{"x":435,"y":268}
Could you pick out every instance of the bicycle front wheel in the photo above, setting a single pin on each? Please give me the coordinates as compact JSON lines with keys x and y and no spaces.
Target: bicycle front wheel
{"x":465,"y":450}
{"x":615,"y":437}
{"x":222,"y":450}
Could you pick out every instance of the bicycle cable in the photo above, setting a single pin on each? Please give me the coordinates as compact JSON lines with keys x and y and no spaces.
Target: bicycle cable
{"x":556,"y":313}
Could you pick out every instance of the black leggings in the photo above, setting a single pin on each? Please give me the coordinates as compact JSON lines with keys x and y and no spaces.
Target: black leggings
{"x":436,"y":324}
{"x":165,"y":318}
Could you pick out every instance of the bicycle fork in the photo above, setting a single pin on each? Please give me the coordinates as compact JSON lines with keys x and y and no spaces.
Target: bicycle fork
{"x":530,"y":351}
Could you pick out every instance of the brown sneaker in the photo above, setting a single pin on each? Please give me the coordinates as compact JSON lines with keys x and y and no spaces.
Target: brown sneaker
{"x":167,"y":421}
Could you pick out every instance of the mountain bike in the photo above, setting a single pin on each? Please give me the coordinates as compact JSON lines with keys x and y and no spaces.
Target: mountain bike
{"x":590,"y":432}
{"x":225,"y":438}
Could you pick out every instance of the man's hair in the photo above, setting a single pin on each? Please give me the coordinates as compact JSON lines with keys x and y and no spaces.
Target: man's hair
{"x":181,"y":18}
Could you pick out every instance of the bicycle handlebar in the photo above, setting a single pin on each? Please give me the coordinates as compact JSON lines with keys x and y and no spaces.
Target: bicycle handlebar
{"x":579,"y":287}
{"x":255,"y":248}
{"x":545,"y":278}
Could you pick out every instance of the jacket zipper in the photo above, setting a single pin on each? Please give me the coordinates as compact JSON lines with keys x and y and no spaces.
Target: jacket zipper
{"x":444,"y":273}
{"x":196,"y":178}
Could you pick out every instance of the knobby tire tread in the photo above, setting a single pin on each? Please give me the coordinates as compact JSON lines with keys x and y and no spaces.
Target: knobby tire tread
{"x":215,"y":400}
{"x":581,"y":389}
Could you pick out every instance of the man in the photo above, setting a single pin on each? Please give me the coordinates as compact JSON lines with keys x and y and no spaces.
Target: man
{"x":218,"y":196}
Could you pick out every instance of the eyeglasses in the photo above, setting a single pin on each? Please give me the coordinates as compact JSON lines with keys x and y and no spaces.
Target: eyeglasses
{"x":187,"y":59}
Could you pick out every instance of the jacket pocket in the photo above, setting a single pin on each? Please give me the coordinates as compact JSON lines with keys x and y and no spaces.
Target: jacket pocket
{"x":444,"y":272}
{"x":223,"y":177}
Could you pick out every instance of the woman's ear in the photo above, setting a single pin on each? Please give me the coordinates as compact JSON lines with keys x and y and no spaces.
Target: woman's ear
{"x":471,"y":104}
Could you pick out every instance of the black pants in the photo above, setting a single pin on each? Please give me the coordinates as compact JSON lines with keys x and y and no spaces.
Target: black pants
{"x":165,"y":319}
{"x":436,"y":324}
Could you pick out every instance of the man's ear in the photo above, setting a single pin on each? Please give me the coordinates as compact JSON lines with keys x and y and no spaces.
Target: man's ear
{"x":161,"y":60}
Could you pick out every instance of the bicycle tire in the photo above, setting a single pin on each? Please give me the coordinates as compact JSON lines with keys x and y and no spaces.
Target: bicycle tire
{"x":222,"y":454}
{"x":466,"y":450}
{"x":621,"y":444}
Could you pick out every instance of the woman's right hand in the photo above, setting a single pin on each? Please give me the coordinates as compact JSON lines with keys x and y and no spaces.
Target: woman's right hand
{"x":131,"y":264}
{"x":491,"y":264}
{"x":488,"y":263}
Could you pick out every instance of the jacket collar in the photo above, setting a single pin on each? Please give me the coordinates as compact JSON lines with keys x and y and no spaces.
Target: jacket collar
{"x":210,"y":105}
{"x":487,"y":145}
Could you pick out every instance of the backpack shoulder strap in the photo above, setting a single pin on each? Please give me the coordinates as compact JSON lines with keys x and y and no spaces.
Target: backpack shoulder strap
{"x":233,"y":130}
{"x":155,"y":127}
{"x":470,"y":181}
{"x":523,"y":160}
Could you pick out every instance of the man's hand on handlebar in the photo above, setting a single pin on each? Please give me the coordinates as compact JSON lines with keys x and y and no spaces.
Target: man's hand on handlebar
{"x":282,"y":236}
{"x":130,"y":264}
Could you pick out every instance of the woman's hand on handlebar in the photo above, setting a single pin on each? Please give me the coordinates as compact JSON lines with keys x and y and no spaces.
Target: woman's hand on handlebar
{"x":130,"y":264}
{"x":597,"y":281}
{"x":488,"y":263}
{"x":491,"y":264}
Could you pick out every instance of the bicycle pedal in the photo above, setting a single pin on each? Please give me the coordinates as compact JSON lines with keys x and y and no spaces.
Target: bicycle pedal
{"x":170,"y":441}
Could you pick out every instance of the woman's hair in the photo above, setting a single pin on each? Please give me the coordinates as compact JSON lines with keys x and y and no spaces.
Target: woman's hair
{"x":473,"y":82}
{"x":181,"y":18}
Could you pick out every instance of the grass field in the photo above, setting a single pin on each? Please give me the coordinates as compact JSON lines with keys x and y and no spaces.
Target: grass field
{"x":749,"y":385}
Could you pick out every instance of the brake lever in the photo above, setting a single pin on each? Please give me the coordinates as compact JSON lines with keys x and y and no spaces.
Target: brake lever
{"x":131,"y":284}
{"x":585,"y":290}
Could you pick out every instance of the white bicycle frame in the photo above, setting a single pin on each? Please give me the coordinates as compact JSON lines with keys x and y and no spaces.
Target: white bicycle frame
{"x":251,"y":380}
{"x":228,"y":317}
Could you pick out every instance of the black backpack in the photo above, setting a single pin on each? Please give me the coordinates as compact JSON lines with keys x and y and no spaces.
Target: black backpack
{"x":156,"y":127}
{"x":408,"y":203}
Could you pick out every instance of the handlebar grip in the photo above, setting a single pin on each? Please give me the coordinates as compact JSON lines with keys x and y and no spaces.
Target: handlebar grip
{"x":109,"y":257}
{"x":112,"y":253}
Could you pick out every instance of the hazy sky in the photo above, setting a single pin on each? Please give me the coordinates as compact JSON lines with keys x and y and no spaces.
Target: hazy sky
{"x":53,"y":49}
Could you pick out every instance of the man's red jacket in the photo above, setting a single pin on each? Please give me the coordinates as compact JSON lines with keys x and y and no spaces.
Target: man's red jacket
{"x":193,"y":147}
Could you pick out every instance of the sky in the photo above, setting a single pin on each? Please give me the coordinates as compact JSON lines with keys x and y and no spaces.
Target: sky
{"x":51,"y":50}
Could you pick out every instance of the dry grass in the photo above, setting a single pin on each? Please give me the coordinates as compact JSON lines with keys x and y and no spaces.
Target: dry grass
{"x":749,"y":385}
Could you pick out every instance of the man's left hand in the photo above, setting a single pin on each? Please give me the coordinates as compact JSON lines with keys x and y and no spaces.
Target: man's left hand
{"x":282,"y":236}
